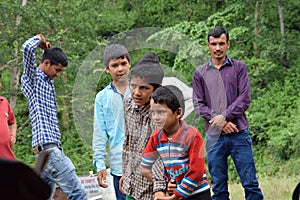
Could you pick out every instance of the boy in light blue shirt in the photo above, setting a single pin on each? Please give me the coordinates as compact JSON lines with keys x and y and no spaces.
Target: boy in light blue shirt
{"x":109,"y":116}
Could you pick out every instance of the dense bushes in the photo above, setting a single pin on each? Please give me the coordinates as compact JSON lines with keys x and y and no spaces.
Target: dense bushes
{"x":255,"y":38}
{"x":274,"y":117}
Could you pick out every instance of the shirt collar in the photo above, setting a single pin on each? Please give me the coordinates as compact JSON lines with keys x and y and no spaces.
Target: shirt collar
{"x":44,"y":75}
{"x":142,"y":109}
{"x":177,"y":136}
{"x":113,"y":87}
{"x":227,"y":62}
{"x":127,"y":92}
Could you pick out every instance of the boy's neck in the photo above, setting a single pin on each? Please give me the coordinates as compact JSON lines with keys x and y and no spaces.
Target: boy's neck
{"x":172,"y":131}
{"x":121,"y":86}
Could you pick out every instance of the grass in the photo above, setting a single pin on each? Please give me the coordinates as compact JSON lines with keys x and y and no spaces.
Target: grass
{"x":274,"y":188}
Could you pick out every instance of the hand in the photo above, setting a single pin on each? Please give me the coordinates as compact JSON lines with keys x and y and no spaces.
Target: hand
{"x":173,"y":197}
{"x":101,"y":177}
{"x":13,"y":139}
{"x":171,"y":187}
{"x":147,"y":174}
{"x":44,"y":45}
{"x":159,"y":194}
{"x":230,"y":128}
{"x":218,"y":121}
{"x":121,"y":184}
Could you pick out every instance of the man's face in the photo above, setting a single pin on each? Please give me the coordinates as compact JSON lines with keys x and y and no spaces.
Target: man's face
{"x":118,"y":69}
{"x":140,"y":91}
{"x":54,"y":71}
{"x":218,"y":47}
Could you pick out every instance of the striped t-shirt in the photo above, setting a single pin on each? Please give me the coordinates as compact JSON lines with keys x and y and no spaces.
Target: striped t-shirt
{"x":183,"y":157}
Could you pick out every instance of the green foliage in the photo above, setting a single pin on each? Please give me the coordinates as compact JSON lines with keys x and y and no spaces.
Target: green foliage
{"x":272,"y":115}
{"x":75,"y":149}
{"x":166,"y":13}
{"x":294,"y":146}
{"x":80,"y":27}
{"x":112,"y":23}
{"x":184,"y":38}
{"x":22,"y":149}
{"x":262,"y":72}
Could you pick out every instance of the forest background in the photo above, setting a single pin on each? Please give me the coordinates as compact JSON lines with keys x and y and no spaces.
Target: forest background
{"x":263,"y":33}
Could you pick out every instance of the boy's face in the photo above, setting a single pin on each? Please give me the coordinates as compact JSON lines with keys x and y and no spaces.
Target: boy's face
{"x":140,"y":91}
{"x":163,"y":117}
{"x":118,"y":69}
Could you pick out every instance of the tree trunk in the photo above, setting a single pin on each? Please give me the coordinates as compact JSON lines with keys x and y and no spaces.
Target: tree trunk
{"x":15,"y":69}
{"x":257,"y":16}
{"x":14,"y":80}
{"x":284,"y":59}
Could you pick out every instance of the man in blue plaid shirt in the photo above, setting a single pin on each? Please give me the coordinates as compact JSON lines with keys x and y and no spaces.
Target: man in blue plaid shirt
{"x":38,"y":87}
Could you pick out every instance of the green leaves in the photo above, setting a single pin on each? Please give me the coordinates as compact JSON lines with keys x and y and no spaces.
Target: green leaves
{"x":274,"y":116}
{"x":80,"y":27}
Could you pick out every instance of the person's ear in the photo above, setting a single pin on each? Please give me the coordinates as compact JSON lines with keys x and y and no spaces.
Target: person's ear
{"x":179,"y":113}
{"x":107,"y":69}
{"x":47,"y":63}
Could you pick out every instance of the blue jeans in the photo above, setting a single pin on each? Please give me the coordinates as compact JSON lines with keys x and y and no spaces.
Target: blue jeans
{"x":119,"y":194}
{"x":61,"y":171}
{"x":239,"y":147}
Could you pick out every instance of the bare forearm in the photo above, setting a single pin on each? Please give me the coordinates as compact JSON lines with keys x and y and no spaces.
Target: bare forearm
{"x":13,"y":133}
{"x":13,"y":129}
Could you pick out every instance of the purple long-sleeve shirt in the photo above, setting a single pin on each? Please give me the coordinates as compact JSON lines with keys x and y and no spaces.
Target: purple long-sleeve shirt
{"x":223,"y":91}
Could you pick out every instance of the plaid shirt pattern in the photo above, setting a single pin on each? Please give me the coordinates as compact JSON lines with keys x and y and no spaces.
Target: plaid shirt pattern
{"x":137,"y":133}
{"x":39,"y":91}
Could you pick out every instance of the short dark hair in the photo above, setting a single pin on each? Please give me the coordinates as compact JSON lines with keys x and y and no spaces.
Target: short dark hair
{"x":149,"y":69}
{"x":150,"y":57}
{"x":114,"y":51}
{"x":217,"y":32}
{"x":56,"y":56}
{"x":171,"y":96}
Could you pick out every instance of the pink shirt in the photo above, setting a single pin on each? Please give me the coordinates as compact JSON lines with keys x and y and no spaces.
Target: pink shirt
{"x":7,"y":118}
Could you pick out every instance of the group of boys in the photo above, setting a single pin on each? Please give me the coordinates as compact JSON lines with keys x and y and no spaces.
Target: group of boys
{"x":160,"y":152}
{"x":154,"y":154}
{"x":141,"y":119}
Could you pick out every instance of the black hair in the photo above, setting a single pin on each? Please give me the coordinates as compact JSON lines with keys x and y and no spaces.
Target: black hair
{"x":171,"y":96}
{"x":150,"y":57}
{"x":114,"y":51}
{"x":217,"y":32}
{"x":149,"y":69}
{"x":56,"y":56}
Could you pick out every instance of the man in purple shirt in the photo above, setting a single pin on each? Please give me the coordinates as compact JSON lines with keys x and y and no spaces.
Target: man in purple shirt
{"x":221,"y":95}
